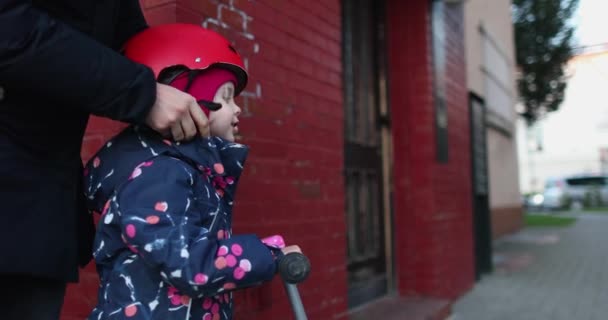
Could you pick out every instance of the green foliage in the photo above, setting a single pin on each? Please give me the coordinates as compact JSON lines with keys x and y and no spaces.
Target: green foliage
{"x":543,"y":40}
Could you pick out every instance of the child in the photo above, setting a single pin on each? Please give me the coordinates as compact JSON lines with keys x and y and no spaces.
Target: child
{"x":164,"y":247}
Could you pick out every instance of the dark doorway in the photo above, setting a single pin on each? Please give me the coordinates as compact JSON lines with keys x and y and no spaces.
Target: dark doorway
{"x":482,"y":228}
{"x":367,"y":151}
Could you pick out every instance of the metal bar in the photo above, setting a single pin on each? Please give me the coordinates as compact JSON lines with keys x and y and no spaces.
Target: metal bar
{"x":296,"y":301}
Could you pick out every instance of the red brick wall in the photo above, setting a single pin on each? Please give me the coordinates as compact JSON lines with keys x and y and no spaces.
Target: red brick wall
{"x":432,"y":201}
{"x":293,"y":122}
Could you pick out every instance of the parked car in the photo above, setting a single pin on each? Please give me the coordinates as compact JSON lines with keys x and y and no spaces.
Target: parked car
{"x":575,"y":192}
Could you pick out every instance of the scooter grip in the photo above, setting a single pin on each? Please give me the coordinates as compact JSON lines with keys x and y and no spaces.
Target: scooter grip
{"x":294,"y":267}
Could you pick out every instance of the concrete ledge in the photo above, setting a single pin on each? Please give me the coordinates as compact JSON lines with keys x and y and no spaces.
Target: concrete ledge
{"x":402,"y":308}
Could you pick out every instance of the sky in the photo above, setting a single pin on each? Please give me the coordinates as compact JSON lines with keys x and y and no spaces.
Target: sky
{"x":592,"y":22}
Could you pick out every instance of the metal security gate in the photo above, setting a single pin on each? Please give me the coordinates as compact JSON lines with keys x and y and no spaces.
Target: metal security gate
{"x":481,"y":206}
{"x":366,"y":151}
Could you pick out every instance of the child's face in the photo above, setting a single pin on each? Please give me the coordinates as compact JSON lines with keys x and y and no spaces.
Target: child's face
{"x":224,"y":122}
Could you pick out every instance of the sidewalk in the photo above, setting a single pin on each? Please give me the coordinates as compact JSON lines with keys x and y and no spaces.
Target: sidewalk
{"x":545,"y":273}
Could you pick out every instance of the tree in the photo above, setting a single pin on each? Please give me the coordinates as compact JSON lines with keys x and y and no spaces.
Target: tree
{"x":543,"y":41}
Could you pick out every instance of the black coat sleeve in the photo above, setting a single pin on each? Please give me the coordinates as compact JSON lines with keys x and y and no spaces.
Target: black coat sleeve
{"x":130,"y":21}
{"x":47,"y":58}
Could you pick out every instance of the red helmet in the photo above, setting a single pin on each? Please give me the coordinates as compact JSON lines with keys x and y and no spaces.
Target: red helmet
{"x":186,"y":46}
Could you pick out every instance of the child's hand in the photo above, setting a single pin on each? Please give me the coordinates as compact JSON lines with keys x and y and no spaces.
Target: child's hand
{"x":290,"y":249}
{"x":277,"y":242}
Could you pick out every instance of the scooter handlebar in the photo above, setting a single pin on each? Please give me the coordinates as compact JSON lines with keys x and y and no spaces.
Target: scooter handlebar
{"x":294,"y":267}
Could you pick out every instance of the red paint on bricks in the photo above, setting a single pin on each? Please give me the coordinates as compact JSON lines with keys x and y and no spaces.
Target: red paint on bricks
{"x":433,"y":226}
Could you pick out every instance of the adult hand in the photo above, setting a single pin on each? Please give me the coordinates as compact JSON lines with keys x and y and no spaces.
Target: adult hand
{"x":177,"y":113}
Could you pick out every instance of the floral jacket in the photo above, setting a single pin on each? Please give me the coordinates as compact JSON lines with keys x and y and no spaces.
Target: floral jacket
{"x":164,"y":247}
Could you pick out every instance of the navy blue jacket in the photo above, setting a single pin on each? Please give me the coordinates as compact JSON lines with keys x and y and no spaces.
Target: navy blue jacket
{"x":164,"y":246}
{"x":58,"y":64}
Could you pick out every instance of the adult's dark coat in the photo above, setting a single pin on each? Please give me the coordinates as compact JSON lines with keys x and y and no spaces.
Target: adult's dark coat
{"x":58,"y":64}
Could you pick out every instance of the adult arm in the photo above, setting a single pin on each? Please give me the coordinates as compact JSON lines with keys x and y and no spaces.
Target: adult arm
{"x":45,"y":57}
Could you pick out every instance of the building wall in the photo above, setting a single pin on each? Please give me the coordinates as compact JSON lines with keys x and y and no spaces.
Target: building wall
{"x":432,"y":201}
{"x":293,"y":121}
{"x":491,"y":76}
{"x":507,"y":213}
{"x":495,"y":16}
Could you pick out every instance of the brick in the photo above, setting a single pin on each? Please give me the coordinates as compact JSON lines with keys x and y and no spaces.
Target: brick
{"x":320,"y":11}
{"x":309,"y":189}
{"x":147,"y":4}
{"x":81,"y":298}
{"x":269,"y":71}
{"x":268,"y":51}
{"x":234,"y":18}
{"x":264,"y":13}
{"x":187,"y":15}
{"x":289,"y":61}
{"x":91,"y":144}
{"x":437,"y":199}
{"x":205,"y":7}
{"x":269,"y":32}
{"x":161,"y":14}
{"x":333,"y":5}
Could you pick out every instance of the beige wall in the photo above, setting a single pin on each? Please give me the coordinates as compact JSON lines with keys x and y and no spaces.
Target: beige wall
{"x":491,"y":75}
{"x":503,"y":169}
{"x":495,"y":17}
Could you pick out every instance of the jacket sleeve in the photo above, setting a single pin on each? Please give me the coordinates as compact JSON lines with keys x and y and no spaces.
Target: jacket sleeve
{"x":131,"y":21}
{"x":169,"y":216}
{"x":42,"y":56}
